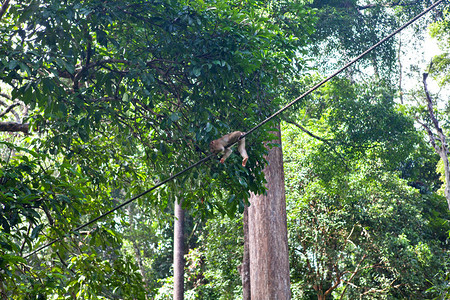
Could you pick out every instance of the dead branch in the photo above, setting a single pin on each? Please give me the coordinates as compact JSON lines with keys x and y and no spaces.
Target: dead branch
{"x":441,"y":149}
{"x":430,"y":134}
{"x":353,"y":275}
{"x":432,"y":115}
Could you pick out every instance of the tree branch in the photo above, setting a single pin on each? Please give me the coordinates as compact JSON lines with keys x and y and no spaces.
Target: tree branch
{"x":16,"y":115}
{"x":379,"y":291}
{"x":353,"y":275}
{"x":430,"y":134}
{"x":14,"y":127}
{"x":336,"y":284}
{"x":326,"y":141}
{"x":307,"y":131}
{"x":442,"y":150}
{"x":392,"y":4}
{"x":4,"y":8}
{"x":432,"y":115}
{"x":5,"y":96}
{"x":9,"y":108}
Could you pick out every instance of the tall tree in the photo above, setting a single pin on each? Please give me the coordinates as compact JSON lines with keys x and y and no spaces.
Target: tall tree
{"x":430,"y":115}
{"x":244,"y":268}
{"x":353,"y":222}
{"x":267,"y":227}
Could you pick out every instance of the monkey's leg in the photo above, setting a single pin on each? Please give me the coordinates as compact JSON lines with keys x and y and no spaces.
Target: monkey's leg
{"x":225,"y":156}
{"x":242,"y":151}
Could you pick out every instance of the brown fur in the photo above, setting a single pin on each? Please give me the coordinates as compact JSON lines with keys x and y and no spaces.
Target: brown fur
{"x":219,"y":146}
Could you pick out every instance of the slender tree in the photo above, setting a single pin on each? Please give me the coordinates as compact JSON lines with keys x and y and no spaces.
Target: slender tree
{"x":178,"y":251}
{"x":245,"y":266}
{"x":437,"y":137}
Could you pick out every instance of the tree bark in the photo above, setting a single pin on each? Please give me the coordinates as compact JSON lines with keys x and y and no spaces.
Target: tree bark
{"x":13,"y":127}
{"x":245,"y":267}
{"x":178,"y":252}
{"x":4,"y":8}
{"x":269,"y":258}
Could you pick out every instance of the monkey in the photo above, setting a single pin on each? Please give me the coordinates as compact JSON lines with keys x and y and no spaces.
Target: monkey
{"x":220,"y":145}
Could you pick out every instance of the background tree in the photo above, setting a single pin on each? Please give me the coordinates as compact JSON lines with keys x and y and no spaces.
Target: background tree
{"x":352,"y":221}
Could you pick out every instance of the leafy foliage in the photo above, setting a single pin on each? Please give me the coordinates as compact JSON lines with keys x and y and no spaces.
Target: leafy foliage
{"x":361,"y":231}
{"x":124,"y":94}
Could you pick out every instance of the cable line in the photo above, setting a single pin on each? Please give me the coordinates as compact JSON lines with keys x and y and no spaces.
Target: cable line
{"x":245,"y":134}
{"x":123,"y":204}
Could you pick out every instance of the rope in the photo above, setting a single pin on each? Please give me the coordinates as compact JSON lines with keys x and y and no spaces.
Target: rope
{"x":245,"y":134}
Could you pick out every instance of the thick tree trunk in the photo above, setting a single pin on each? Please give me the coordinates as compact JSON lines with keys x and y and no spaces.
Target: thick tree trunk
{"x":245,"y":267}
{"x":178,"y":252}
{"x":269,"y":258}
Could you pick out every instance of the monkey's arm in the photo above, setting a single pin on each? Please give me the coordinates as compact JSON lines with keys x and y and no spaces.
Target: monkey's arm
{"x":226,"y":155}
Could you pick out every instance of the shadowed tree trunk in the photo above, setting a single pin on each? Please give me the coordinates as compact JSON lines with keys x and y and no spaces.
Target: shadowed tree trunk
{"x":244,"y":269}
{"x":269,"y":259}
{"x":136,"y":246}
{"x":178,"y":252}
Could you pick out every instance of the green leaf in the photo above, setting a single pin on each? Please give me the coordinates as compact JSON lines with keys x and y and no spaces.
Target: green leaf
{"x":208,"y":127}
{"x":36,"y":230}
{"x":102,"y":37}
{"x":174,"y":117}
{"x":24,"y":68}
{"x":197,"y":71}
{"x":12,"y":64}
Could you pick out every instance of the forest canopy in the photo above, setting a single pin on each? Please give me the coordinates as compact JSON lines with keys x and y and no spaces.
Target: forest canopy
{"x":101,"y":101}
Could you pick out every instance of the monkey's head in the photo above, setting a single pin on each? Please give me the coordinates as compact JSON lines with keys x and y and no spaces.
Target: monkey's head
{"x":213,"y":147}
